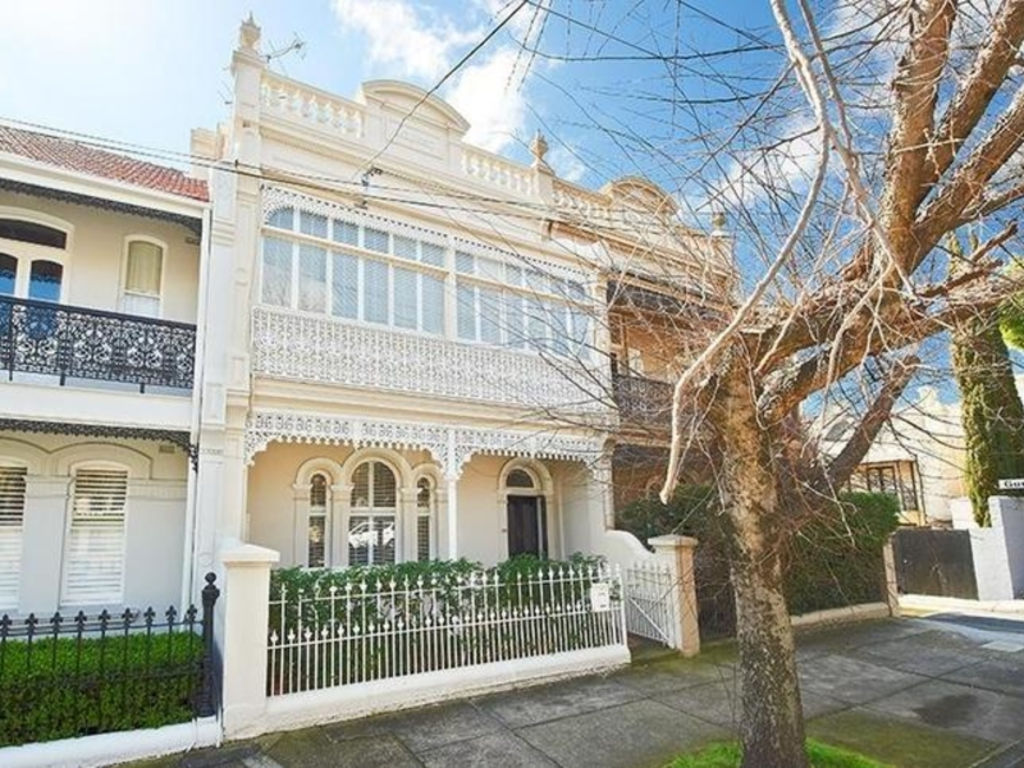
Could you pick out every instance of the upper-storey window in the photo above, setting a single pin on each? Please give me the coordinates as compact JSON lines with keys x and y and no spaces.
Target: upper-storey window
{"x":33,"y":232}
{"x":325,"y":264}
{"x":44,"y":280}
{"x":143,"y":275}
{"x":8,"y":273}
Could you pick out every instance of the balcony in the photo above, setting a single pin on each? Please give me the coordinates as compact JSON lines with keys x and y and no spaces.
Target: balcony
{"x":317,"y":349}
{"x":75,"y":343}
{"x":643,"y":402}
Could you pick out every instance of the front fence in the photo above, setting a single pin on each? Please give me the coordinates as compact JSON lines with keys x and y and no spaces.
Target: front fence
{"x":378,"y":630}
{"x":650,"y":602}
{"x":64,"y":677}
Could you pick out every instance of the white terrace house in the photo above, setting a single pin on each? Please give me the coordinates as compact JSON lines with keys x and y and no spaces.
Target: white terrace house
{"x":100,"y":261}
{"x":407,"y":356}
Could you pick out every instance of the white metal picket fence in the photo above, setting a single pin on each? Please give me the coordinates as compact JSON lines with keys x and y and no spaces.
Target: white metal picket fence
{"x":650,"y":602}
{"x":369,"y":631}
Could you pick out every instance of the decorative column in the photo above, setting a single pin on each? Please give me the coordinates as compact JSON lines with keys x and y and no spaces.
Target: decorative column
{"x":452,"y":516}
{"x":242,"y":630}
{"x":407,"y":523}
{"x":676,"y":552}
{"x":341,"y":504}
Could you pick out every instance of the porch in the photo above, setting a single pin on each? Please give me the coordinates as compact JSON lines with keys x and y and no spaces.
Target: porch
{"x":334,"y":506}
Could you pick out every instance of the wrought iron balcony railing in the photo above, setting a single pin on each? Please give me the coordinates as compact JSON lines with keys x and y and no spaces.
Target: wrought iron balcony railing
{"x":642,"y":401}
{"x":40,"y":337}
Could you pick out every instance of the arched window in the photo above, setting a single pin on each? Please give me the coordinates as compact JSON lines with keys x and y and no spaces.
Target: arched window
{"x":519,"y":478}
{"x":316,"y":531}
{"x":372,"y":525}
{"x":32,"y":232}
{"x":143,"y":276}
{"x":424,"y":520}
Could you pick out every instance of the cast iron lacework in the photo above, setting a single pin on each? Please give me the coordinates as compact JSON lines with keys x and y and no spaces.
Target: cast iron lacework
{"x":179,"y":439}
{"x":74,"y":342}
{"x":450,"y":447}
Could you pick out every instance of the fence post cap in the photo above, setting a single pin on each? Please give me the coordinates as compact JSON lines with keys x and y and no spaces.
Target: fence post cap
{"x":672,"y":541}
{"x":249,"y":554}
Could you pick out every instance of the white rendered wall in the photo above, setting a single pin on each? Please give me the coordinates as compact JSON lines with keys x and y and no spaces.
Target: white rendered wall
{"x":93,"y":272}
{"x":154,"y":525}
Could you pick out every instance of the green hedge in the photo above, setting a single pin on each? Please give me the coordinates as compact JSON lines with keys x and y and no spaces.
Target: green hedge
{"x":834,"y":558}
{"x":55,"y":689}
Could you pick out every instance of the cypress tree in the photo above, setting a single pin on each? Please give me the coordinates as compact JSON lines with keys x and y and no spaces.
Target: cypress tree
{"x":991,"y":409}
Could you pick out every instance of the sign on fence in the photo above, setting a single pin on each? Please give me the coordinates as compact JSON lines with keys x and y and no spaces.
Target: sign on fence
{"x":600,"y":597}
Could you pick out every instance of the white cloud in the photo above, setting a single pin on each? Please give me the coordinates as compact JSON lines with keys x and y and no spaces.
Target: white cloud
{"x":567,"y":164}
{"x":409,"y":40}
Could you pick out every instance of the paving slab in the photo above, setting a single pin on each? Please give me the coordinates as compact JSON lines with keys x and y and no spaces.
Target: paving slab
{"x":846,"y":637}
{"x":494,"y":750}
{"x":930,"y":653}
{"x":309,"y":748}
{"x":641,"y":734}
{"x":852,"y":680}
{"x":672,"y":675}
{"x":969,"y":711}
{"x":1005,"y":675}
{"x":549,"y":702}
{"x":720,"y":704}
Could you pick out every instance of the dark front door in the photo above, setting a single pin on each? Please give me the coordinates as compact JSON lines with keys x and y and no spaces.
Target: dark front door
{"x":526,"y":526}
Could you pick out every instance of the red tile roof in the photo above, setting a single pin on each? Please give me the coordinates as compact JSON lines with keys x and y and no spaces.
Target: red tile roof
{"x":84,"y":158}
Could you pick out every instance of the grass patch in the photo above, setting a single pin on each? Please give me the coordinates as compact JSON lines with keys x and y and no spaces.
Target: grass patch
{"x":898,"y":742}
{"x":728,"y":755}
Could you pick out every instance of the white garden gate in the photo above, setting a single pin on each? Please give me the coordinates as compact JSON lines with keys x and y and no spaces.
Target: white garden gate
{"x":650,"y":604}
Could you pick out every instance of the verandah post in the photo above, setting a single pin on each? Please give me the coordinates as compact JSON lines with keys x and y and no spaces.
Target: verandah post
{"x":676,"y":553}
{"x":246,"y":615}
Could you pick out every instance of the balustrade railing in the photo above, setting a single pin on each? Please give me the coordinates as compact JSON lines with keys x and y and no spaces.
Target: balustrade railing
{"x":320,"y":349}
{"x":39,"y":337}
{"x":642,"y":401}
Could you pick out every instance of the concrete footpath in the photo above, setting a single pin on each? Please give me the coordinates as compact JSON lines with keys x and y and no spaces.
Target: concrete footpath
{"x":910,"y":692}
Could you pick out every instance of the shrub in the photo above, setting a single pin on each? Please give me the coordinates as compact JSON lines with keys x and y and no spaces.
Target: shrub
{"x":66,"y":687}
{"x":835,"y":558}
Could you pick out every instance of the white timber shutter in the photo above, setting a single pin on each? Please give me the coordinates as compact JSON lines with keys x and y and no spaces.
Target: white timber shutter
{"x":94,"y":559}
{"x":12,"y":510}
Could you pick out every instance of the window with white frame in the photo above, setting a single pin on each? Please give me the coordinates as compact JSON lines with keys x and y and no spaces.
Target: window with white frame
{"x":94,"y":551}
{"x":12,"y":512}
{"x":143,"y":276}
{"x":330,"y":265}
{"x":357,"y":272}
{"x":372,"y":523}
{"x":424,"y":520}
{"x":317,"y":534}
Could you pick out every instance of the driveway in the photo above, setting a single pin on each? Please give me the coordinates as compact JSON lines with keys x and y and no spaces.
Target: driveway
{"x":912,"y":692}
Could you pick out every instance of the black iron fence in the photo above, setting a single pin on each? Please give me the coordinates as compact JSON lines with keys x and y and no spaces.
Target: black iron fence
{"x":65,"y":677}
{"x":74,"y":342}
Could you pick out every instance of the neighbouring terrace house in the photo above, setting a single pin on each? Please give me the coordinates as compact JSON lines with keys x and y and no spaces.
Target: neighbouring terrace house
{"x":100,"y":264}
{"x":410,"y":357}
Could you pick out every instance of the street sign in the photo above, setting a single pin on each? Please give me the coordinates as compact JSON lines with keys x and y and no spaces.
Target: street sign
{"x":1012,"y":484}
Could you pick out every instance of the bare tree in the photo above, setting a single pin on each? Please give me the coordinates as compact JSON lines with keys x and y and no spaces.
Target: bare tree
{"x":864,"y":133}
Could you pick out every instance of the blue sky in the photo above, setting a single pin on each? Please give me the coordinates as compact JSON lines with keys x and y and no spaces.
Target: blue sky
{"x":146,"y":71}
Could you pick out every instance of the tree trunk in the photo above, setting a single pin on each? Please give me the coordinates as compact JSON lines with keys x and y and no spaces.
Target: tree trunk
{"x":772,"y":725}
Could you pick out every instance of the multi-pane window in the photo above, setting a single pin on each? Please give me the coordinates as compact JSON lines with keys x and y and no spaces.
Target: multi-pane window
{"x":500,"y":303}
{"x":12,"y":511}
{"x":372,"y":524}
{"x":94,"y":558}
{"x":316,"y":530}
{"x":362,"y":272}
{"x":391,"y":289}
{"x":424,"y":519}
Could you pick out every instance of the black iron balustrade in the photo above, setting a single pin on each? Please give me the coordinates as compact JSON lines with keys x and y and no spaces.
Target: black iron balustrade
{"x":74,"y":342}
{"x":642,"y":401}
{"x":70,"y":676}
